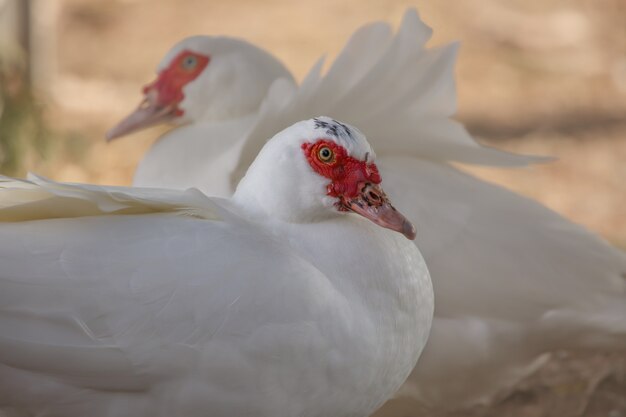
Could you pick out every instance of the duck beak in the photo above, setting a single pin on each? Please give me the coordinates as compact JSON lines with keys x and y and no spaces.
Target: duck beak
{"x":148,"y":113}
{"x":373,"y":204}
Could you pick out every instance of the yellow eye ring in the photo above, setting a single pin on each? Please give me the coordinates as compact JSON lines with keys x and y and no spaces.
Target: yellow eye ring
{"x":325,"y":154}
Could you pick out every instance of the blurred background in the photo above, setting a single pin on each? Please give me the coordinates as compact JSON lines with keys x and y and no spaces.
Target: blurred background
{"x":542,"y":77}
{"x":533,"y":76}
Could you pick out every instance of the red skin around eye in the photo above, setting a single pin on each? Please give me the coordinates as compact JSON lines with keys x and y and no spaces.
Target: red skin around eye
{"x":344,"y":171}
{"x":171,"y":80}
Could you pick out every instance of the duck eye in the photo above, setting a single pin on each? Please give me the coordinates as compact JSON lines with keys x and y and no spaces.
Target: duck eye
{"x":189,"y":62}
{"x":325,"y":154}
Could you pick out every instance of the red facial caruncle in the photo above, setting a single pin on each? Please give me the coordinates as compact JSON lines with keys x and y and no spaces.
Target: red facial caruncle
{"x":162,"y":97}
{"x":184,"y":68}
{"x":355,"y":184}
{"x":344,"y":171}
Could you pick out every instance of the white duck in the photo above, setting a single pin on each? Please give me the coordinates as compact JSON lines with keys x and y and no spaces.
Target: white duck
{"x":513,"y":280}
{"x":134,"y":302}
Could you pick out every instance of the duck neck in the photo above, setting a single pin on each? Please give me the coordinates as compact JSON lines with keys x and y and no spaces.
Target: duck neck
{"x":280,"y":185}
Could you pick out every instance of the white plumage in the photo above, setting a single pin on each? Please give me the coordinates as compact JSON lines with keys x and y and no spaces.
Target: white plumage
{"x":513,"y":280}
{"x":134,"y":302}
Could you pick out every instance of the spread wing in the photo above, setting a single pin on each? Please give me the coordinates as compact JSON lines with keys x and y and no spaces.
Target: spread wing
{"x":397,"y":92}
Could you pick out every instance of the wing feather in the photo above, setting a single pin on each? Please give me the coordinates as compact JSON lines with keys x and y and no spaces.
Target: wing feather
{"x":400,"y":94}
{"x":513,"y":280}
{"x":39,"y":198}
{"x":128,"y":303}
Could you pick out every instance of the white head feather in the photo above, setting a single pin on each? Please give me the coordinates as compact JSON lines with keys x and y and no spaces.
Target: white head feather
{"x":282,"y":173}
{"x":233,"y":84}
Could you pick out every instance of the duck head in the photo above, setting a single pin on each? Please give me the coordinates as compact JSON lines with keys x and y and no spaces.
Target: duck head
{"x":204,"y":78}
{"x":316,"y":169}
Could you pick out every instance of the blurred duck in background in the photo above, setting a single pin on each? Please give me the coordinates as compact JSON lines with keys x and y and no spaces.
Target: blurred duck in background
{"x":513,"y":280}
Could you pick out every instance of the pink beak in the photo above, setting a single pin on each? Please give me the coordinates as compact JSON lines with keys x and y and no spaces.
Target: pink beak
{"x":148,"y":113}
{"x":373,"y":204}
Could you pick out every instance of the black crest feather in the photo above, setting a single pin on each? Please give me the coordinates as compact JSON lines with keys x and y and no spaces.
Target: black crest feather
{"x":334,"y":127}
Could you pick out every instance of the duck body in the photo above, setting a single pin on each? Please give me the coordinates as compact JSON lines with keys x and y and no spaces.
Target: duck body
{"x":168,"y":173}
{"x":122,"y":301}
{"x":512,"y":281}
{"x":122,"y":316}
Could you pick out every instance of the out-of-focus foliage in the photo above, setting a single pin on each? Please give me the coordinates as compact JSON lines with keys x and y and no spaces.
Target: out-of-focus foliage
{"x":22,"y":130}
